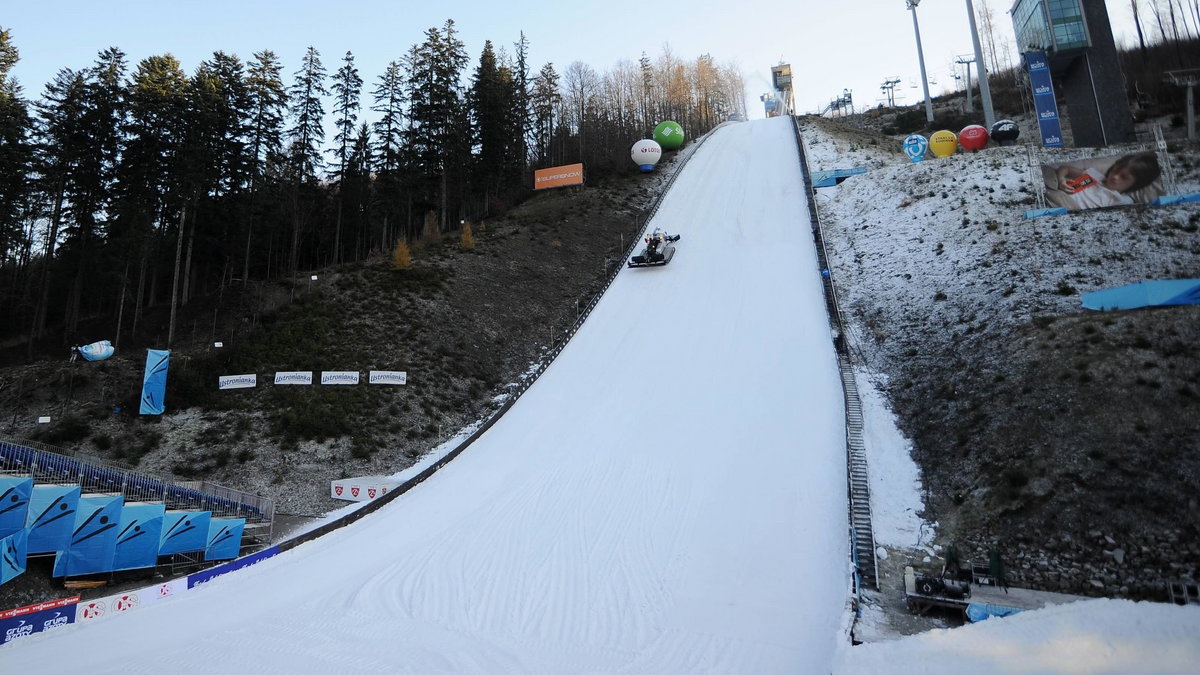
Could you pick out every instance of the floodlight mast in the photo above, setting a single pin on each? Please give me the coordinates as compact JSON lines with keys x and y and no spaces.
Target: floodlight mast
{"x":985,"y":94}
{"x":912,"y":6}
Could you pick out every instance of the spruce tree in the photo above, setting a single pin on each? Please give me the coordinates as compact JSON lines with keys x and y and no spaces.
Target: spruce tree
{"x":267,"y":103}
{"x":388,"y":146}
{"x":347,"y":89}
{"x":304,"y":155}
{"x":16,"y":154}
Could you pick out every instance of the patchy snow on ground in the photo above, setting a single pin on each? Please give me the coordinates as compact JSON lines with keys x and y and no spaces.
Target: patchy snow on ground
{"x":669,"y":497}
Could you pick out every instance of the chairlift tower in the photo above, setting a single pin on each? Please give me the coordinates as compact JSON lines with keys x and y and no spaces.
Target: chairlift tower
{"x":1189,"y":79}
{"x":889,"y":90}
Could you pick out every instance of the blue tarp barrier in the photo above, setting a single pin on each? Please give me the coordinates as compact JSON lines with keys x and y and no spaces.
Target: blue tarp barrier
{"x":224,"y":538}
{"x":980,"y":611}
{"x":154,"y":382}
{"x":14,"y":504}
{"x":97,"y":351}
{"x":1164,"y":292}
{"x":51,"y":517}
{"x":94,"y":540}
{"x":1168,"y":200}
{"x":831,"y":178}
{"x":138,"y":536}
{"x":184,"y":532}
{"x":12,"y":555}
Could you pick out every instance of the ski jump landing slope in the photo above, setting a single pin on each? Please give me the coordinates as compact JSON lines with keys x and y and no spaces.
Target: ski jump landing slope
{"x":669,"y":497}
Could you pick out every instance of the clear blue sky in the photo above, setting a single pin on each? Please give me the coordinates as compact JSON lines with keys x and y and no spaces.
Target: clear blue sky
{"x":832,"y":45}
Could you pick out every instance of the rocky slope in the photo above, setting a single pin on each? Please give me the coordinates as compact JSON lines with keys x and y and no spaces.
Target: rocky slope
{"x":1066,"y":439}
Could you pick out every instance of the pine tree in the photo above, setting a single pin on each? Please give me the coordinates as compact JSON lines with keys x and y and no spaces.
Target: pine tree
{"x":267,"y":102}
{"x":147,"y":205}
{"x":388,"y":147}
{"x":491,"y":110}
{"x":16,"y":153}
{"x":544,"y":104}
{"x":306,"y":137}
{"x":519,"y":118}
{"x":438,"y":131}
{"x":347,"y":88}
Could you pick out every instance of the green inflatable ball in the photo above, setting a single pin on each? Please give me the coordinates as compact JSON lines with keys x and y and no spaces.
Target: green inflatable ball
{"x":669,"y":135}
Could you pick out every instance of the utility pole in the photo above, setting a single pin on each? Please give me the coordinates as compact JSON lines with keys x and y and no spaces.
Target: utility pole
{"x":985,"y":94}
{"x":912,"y":6}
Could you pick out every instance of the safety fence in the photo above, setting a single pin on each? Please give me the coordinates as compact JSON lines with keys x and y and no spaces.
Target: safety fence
{"x":60,"y":467}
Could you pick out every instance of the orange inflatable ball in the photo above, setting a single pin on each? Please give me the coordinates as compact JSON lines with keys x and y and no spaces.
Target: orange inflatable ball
{"x":943,"y":143}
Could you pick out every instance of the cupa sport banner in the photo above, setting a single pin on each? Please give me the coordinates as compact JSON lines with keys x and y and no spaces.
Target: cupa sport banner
{"x":154,"y":382}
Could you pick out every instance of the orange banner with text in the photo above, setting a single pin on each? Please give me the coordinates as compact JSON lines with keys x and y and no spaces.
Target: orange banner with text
{"x":558,"y":176}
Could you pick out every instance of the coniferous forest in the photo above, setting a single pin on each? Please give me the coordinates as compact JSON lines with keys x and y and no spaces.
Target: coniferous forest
{"x":131,"y":187}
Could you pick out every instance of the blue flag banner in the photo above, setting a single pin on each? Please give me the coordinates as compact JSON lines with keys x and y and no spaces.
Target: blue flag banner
{"x":94,"y":540}
{"x":14,"y":504}
{"x":1043,"y":98}
{"x":184,"y":532}
{"x":12,"y":555}
{"x":224,"y":538}
{"x":51,"y":517}
{"x":1160,"y":293}
{"x":154,"y":382}
{"x":138,"y":536}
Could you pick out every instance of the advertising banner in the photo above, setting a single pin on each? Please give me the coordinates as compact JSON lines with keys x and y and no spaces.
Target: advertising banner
{"x":294,"y":377}
{"x":113,"y":605}
{"x":558,"y":176}
{"x":1101,"y":182}
{"x":361,"y":489}
{"x":154,"y":382}
{"x":224,"y":538}
{"x":22,"y":621}
{"x":51,"y":517}
{"x":13,"y":555}
{"x":138,"y":535}
{"x":1043,"y":98}
{"x":94,"y":540}
{"x":207,"y":575}
{"x":248,"y":381}
{"x":184,"y":532}
{"x":339,"y":377}
{"x":14,"y":503}
{"x":387,"y":377}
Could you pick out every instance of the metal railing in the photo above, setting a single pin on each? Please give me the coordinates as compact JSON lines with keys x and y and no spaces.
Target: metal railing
{"x":46,"y":464}
{"x":863,"y":540}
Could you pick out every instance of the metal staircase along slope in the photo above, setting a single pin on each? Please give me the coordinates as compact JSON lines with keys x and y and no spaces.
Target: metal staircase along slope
{"x":862,"y":534}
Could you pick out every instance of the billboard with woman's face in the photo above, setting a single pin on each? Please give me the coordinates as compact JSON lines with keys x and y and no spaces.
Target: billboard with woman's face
{"x":1100,"y":182}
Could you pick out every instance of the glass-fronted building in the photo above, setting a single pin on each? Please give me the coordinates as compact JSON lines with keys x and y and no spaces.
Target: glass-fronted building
{"x":1051,"y":26}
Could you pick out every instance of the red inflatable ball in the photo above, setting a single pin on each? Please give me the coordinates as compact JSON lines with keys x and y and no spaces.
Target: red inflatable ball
{"x":973,"y":138}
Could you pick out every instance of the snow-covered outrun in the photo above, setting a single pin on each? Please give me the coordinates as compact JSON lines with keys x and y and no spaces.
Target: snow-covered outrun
{"x":669,"y":497}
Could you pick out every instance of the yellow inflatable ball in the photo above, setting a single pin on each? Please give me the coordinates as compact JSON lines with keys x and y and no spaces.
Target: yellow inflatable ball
{"x":943,"y":143}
